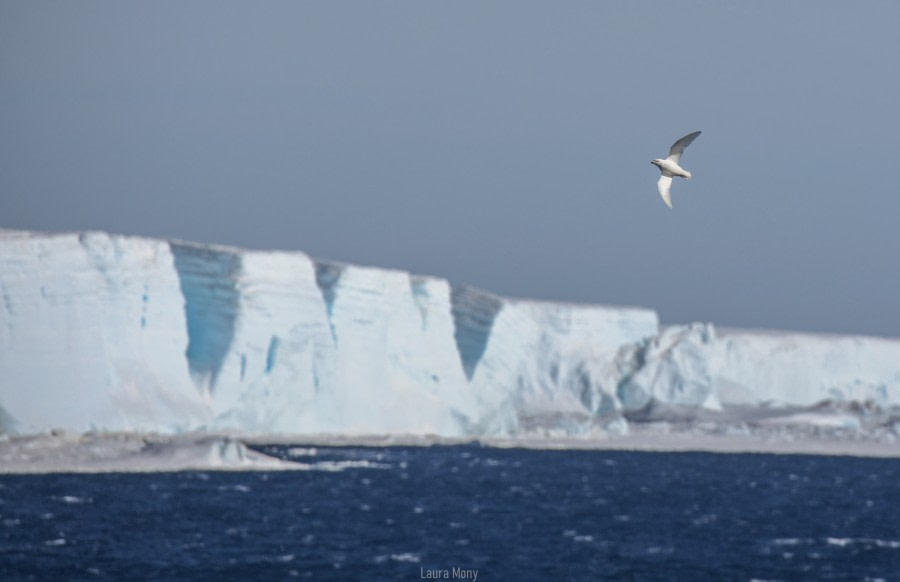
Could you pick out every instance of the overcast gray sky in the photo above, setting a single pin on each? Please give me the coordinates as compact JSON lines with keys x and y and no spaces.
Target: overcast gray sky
{"x":500,"y":144}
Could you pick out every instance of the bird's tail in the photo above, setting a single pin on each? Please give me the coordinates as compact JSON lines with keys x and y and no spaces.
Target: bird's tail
{"x":688,"y":177}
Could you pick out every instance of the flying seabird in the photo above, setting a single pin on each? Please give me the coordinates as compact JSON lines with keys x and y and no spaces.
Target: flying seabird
{"x":669,"y":167}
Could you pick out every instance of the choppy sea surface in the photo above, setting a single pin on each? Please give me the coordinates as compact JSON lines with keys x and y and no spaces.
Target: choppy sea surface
{"x":457,"y":512}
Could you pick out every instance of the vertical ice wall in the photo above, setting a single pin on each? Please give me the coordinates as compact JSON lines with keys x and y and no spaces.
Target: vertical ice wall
{"x":695,"y":366}
{"x":93,"y":335}
{"x":125,"y":333}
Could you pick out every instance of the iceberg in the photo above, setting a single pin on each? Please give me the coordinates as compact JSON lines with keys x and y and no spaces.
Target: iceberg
{"x":113,"y":333}
{"x":694,"y":365}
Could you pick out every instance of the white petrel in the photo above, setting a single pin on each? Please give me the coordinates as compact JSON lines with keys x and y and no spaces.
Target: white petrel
{"x":669,"y":167}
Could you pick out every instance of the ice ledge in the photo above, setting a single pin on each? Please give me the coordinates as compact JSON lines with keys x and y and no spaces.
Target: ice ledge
{"x":66,"y":452}
{"x":63,"y":452}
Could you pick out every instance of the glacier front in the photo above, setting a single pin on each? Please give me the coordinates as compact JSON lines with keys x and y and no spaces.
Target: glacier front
{"x":115,"y":333}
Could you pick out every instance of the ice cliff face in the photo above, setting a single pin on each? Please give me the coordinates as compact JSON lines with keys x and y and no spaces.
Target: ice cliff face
{"x":694,"y":366}
{"x":124,"y":333}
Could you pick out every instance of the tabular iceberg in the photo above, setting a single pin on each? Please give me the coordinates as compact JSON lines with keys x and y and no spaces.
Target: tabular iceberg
{"x":117,"y":333}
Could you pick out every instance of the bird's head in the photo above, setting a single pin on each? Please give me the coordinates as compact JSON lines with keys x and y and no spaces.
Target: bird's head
{"x":656,"y":162}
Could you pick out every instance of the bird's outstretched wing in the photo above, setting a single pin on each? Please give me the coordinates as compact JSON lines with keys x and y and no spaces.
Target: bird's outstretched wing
{"x":678,"y":146}
{"x":665,"y":189}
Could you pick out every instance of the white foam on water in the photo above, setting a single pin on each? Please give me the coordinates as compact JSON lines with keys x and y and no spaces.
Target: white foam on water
{"x":843,"y":542}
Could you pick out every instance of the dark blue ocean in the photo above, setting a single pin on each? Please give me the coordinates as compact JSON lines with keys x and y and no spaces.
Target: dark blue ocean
{"x":431,"y":512}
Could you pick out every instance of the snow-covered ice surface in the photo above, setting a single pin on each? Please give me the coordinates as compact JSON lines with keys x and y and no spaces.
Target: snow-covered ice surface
{"x":112,"y":333}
